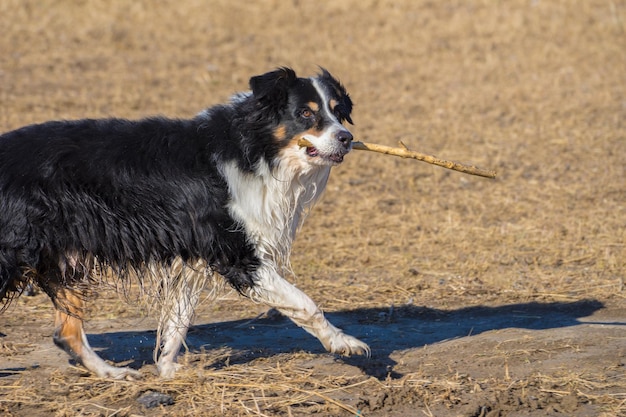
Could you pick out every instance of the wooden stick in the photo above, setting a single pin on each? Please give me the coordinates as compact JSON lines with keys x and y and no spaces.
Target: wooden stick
{"x":405,"y":152}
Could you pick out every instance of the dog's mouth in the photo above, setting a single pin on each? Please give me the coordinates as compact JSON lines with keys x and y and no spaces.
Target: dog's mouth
{"x":329,"y":158}
{"x":312,"y":151}
{"x":336,"y":158}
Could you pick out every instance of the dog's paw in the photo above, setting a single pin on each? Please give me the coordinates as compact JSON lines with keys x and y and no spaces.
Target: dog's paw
{"x":167,"y":369}
{"x":118,"y":373}
{"x":347,"y":345}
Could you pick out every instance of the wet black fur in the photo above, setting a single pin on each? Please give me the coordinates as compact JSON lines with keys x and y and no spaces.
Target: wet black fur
{"x":134,"y":192}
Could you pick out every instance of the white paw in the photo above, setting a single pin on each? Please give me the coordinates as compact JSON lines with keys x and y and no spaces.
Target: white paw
{"x":347,"y":345}
{"x":167,"y":369}
{"x":118,"y":373}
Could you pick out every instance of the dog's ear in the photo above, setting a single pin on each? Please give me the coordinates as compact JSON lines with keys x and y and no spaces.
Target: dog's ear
{"x":344,"y":107}
{"x":272,"y":89}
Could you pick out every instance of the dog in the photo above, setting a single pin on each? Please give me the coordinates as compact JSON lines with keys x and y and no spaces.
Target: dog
{"x":183,"y":202}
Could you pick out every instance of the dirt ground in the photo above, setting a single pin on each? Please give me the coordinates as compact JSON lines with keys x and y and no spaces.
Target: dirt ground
{"x":478,"y":297}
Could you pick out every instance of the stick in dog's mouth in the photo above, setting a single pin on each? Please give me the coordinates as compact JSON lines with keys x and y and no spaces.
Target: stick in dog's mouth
{"x":405,"y":152}
{"x":303,"y":143}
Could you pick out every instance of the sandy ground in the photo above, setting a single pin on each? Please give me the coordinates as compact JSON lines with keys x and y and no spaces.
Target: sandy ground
{"x":478,"y":297}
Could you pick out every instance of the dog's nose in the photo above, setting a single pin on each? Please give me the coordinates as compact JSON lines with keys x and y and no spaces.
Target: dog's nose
{"x":345,"y":137}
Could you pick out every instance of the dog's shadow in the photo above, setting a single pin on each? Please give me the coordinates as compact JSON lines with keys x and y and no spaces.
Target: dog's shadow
{"x":385,"y":330}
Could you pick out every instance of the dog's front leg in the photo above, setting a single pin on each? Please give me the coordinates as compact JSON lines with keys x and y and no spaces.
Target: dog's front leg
{"x":273,"y":290}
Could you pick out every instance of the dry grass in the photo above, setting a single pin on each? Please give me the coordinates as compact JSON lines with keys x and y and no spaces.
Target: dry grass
{"x":259,"y":388}
{"x":533,"y":89}
{"x":282,"y":388}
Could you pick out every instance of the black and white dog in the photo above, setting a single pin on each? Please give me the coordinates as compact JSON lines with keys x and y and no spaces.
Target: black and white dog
{"x":185,"y":202}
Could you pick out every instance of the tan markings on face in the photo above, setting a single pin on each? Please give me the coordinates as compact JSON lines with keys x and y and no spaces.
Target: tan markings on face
{"x":313,"y":106}
{"x":280,"y":132}
{"x":332,"y":103}
{"x":293,"y":142}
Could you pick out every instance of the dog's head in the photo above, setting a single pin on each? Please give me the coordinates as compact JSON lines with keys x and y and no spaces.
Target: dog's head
{"x":312,"y":109}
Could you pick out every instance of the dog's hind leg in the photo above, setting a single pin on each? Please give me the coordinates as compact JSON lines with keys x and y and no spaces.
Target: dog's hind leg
{"x":181,"y":293}
{"x":277,"y":292}
{"x":70,"y":337}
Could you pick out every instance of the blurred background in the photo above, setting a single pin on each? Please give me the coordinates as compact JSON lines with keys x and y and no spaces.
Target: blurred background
{"x":533,"y":89}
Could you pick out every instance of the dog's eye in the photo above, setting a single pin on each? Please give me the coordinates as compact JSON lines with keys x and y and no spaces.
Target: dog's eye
{"x":306,"y":113}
